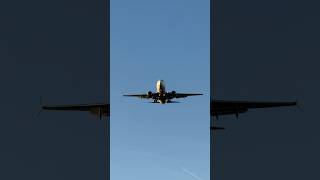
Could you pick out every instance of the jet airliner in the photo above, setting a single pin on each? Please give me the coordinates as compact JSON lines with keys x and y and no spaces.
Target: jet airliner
{"x":217,"y":107}
{"x":161,"y":96}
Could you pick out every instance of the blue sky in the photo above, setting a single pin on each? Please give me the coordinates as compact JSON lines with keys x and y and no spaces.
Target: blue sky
{"x":153,"y":40}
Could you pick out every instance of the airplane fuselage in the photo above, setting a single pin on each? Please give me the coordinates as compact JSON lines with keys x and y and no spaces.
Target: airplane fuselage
{"x":161,"y":91}
{"x":161,"y":86}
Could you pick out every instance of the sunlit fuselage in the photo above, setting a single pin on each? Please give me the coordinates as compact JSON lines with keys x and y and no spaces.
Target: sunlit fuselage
{"x":161,"y":91}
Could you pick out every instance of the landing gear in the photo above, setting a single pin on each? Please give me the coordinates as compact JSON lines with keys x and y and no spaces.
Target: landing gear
{"x":155,"y":101}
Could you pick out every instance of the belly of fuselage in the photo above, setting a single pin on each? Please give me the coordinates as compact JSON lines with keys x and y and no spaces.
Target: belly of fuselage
{"x":162,"y":98}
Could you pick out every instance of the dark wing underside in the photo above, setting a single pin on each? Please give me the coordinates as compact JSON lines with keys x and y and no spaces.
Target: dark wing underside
{"x":145,"y":96}
{"x":103,"y":109}
{"x":183,"y":95}
{"x":221,"y":107}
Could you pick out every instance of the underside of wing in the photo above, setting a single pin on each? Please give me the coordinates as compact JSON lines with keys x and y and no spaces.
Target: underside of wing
{"x":103,"y":109}
{"x":216,"y":128}
{"x":184,"y":95}
{"x":221,"y":107}
{"x":145,"y":96}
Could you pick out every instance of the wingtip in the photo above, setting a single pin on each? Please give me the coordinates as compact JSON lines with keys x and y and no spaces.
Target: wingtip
{"x":40,"y":110}
{"x":298,"y":104}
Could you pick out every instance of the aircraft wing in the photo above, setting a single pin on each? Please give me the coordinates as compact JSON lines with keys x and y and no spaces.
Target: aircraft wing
{"x":99,"y":108}
{"x":145,"y":96}
{"x":221,"y":107}
{"x":183,"y":95}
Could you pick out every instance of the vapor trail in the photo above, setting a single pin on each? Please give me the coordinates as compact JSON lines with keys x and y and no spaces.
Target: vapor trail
{"x":190,"y":173}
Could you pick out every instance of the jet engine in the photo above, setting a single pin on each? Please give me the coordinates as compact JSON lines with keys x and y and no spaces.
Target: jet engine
{"x":149,"y":94}
{"x":173,"y":93}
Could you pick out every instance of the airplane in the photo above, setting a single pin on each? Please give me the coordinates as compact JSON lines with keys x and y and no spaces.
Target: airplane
{"x":161,"y":96}
{"x":217,"y":107}
{"x":102,"y":109}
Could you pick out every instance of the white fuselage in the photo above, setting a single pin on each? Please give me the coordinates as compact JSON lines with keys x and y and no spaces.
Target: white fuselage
{"x":161,"y":87}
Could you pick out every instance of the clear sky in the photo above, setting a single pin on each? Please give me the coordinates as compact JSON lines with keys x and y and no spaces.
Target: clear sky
{"x":153,"y":40}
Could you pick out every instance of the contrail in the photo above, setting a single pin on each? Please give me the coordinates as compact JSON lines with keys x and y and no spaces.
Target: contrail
{"x":191,"y":174}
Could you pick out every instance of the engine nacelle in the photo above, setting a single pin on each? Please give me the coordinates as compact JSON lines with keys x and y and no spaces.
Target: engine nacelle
{"x":149,"y":94}
{"x":173,"y":93}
